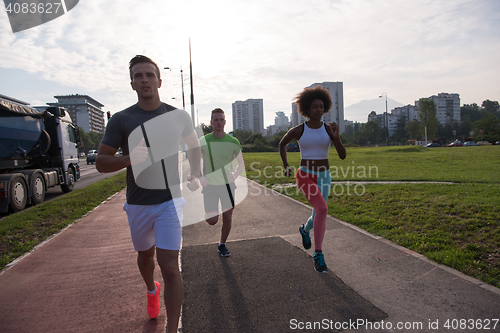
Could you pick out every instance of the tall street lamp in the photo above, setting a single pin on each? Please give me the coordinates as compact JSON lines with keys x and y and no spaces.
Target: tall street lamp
{"x":182,"y":84}
{"x":386,"y":125}
{"x":191,"y":81}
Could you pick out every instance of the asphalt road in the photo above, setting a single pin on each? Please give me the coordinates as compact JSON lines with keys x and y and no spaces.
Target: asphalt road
{"x":88,"y":175}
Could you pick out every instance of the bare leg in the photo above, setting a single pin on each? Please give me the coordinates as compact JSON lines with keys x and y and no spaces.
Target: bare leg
{"x":174,"y":289}
{"x":213,"y":219}
{"x":227,"y":218}
{"x":146,"y":263}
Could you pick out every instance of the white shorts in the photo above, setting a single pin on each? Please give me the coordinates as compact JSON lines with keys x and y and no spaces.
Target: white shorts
{"x":159,"y":225}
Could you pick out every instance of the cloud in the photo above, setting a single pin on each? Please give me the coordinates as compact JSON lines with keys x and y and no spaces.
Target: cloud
{"x":268,"y":49}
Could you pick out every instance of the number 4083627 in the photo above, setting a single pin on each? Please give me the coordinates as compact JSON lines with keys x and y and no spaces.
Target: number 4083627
{"x":33,"y":8}
{"x":478,"y":324}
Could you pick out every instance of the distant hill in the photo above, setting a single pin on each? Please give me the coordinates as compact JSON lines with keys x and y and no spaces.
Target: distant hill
{"x":359,"y":112}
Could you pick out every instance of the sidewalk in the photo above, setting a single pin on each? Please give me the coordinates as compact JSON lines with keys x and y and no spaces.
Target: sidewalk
{"x":86,"y":279}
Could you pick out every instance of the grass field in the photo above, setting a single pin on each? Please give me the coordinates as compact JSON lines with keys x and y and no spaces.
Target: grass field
{"x":454,"y":224}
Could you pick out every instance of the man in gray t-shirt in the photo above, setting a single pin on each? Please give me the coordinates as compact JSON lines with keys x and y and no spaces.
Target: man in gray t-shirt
{"x":149,"y":135}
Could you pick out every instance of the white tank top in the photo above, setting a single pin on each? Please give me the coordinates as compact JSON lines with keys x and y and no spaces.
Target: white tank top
{"x":314,"y":143}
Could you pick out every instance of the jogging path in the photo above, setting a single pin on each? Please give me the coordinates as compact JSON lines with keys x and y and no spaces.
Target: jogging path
{"x":86,"y":279}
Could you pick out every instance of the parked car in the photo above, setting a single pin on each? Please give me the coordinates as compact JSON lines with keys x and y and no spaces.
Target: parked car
{"x":91,"y":156}
{"x":456,"y":144}
{"x":433,"y":144}
{"x":470,"y":144}
{"x":483,"y":143}
{"x":497,"y":143}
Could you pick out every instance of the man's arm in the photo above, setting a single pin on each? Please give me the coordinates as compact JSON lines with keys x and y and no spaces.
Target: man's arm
{"x":194,"y":153}
{"x":106,"y":161}
{"x":239,"y":168}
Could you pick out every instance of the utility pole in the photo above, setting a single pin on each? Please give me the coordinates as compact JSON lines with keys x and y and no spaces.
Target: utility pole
{"x":191,"y":80}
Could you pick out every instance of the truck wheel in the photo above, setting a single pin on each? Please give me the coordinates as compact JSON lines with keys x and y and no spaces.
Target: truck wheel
{"x":38,"y":189}
{"x":18,"y":194}
{"x":70,"y":185}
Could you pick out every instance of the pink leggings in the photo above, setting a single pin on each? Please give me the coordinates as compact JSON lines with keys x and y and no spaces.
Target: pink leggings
{"x":316,"y":187}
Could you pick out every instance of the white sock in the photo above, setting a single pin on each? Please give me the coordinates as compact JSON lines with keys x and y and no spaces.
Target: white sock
{"x":152,"y":292}
{"x":222,"y":244}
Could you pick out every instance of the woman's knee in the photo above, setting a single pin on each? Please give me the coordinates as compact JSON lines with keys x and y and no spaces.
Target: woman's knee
{"x":321,"y":209}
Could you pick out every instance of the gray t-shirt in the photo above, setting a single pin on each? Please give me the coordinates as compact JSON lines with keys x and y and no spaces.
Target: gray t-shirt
{"x":156,"y":180}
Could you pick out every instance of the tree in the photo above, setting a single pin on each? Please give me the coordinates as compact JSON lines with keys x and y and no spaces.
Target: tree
{"x":492,"y":107}
{"x":241,"y":135}
{"x":360,"y":138}
{"x":465,"y":127}
{"x":206,"y":129}
{"x":427,"y":115}
{"x":256,"y":138}
{"x":345,"y":139}
{"x":414,"y":130}
{"x":276,"y":138}
{"x":470,"y":112}
{"x":349,"y":131}
{"x":490,"y":126}
{"x":89,"y":141}
{"x":373,"y":132}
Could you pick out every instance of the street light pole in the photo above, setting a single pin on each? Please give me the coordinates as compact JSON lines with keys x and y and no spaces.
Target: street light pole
{"x":191,"y":80}
{"x":386,"y":125}
{"x":182,"y":85}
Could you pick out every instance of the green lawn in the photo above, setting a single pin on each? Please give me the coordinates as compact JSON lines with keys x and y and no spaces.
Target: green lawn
{"x":454,"y":224}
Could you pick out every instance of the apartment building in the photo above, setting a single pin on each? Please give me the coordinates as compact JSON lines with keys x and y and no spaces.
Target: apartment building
{"x":447,"y":111}
{"x":448,"y":107}
{"x":388,"y":120}
{"x":85,"y":111}
{"x":249,"y":115}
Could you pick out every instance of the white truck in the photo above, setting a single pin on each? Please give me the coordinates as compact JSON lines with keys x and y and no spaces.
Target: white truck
{"x":38,"y":150}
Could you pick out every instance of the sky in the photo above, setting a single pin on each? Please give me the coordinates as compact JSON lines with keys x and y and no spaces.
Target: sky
{"x":259,"y":49}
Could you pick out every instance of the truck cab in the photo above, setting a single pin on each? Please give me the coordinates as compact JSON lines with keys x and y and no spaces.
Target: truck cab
{"x":38,"y":150}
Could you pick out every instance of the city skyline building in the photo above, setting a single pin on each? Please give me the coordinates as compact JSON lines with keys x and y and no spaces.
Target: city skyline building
{"x":447,"y":112}
{"x":281,"y":120}
{"x":85,"y":111}
{"x":447,"y":107}
{"x":249,"y":115}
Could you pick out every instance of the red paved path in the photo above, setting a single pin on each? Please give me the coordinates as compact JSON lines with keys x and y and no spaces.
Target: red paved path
{"x":80,"y":281}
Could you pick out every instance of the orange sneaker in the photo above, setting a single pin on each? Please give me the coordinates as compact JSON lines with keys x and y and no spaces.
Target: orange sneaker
{"x":154,"y":302}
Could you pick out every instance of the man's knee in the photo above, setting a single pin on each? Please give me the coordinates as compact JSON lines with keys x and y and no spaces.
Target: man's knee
{"x":169,"y":263}
{"x":212,"y":218}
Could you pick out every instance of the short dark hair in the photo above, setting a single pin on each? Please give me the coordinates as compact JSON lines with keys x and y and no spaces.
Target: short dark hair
{"x":142,"y":59}
{"x":304,"y":99}
{"x":216,"y":110}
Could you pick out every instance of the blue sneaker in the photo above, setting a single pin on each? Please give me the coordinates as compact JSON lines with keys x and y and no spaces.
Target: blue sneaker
{"x":306,"y":240}
{"x":319,"y":263}
{"x":224,"y":252}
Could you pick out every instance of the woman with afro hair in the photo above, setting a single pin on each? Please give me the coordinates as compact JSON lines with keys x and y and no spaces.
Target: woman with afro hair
{"x":313,"y":176}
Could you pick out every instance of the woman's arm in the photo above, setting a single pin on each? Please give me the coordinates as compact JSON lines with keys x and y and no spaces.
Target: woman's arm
{"x":292,"y":134}
{"x":337,"y":142}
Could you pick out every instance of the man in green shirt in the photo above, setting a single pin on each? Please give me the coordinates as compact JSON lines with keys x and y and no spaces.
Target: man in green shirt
{"x":222,"y":164}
